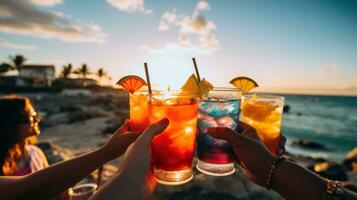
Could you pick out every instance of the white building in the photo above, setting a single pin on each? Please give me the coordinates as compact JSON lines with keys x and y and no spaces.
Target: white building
{"x":41,"y":75}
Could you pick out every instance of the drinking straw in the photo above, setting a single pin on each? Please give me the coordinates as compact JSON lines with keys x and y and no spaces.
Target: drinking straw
{"x":196,"y":69}
{"x":147,"y":77}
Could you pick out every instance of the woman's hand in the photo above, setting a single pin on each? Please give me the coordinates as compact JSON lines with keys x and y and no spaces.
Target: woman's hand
{"x":282,"y":142}
{"x":134,"y":179}
{"x":120,"y":140}
{"x":289,"y":180}
{"x":136,"y":160}
{"x":252,"y":154}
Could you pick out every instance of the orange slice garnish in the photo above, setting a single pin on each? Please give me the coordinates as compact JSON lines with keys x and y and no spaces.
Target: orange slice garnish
{"x":244,"y":83}
{"x":257,"y":110}
{"x":131,"y":83}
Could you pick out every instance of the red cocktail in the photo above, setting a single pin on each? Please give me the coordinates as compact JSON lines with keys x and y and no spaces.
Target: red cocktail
{"x":173,"y":149}
{"x":139,"y":116}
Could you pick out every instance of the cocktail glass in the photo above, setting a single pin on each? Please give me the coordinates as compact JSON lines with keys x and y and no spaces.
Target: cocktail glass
{"x":173,"y":149}
{"x":219,"y":108}
{"x":139,"y":116}
{"x":82,"y":191}
{"x":264,"y":113}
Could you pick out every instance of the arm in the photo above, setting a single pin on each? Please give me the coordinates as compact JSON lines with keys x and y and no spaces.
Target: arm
{"x":53,"y":180}
{"x":294,"y":182}
{"x":134,"y":179}
{"x":289,"y":180}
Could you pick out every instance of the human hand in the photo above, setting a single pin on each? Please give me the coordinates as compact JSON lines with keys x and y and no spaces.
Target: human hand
{"x":136,"y":161}
{"x":137,"y":157}
{"x":278,"y":142}
{"x":134,"y":172}
{"x":120,"y":140}
{"x":251,"y":153}
{"x":282,"y":142}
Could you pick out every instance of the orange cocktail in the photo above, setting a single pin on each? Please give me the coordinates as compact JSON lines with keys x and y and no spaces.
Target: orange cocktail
{"x":264,"y":113}
{"x":139,"y":116}
{"x":173,"y":149}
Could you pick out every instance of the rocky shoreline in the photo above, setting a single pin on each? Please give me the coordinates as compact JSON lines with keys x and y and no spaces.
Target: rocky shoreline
{"x":73,"y":125}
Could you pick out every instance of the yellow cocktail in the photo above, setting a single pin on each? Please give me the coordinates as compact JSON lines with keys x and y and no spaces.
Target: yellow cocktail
{"x":264,"y":113}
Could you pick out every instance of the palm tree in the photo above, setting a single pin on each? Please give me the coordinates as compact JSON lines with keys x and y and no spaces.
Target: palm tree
{"x":101,"y":73}
{"x":83,"y":71}
{"x":5,"y":67}
{"x":17,"y":61}
{"x":66,"y":70}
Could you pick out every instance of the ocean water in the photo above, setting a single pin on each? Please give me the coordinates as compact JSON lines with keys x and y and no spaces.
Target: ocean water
{"x":329,"y":120}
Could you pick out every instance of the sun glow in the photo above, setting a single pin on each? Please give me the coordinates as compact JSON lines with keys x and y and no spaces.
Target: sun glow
{"x":170,"y":70}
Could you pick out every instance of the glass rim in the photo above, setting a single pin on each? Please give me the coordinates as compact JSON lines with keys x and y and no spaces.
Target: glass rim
{"x":154,"y":87}
{"x":265,"y":97}
{"x":93,"y":187}
{"x":219,"y":89}
{"x":174,"y":93}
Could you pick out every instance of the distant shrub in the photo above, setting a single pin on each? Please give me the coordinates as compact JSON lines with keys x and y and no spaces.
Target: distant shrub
{"x":69,"y":108}
{"x":83,"y":115}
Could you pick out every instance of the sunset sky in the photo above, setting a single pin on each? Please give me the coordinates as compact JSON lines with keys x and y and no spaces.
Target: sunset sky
{"x":302,"y":45}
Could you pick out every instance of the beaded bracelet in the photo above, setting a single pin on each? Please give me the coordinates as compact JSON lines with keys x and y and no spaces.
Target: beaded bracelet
{"x":334,"y":190}
{"x":272,"y":171}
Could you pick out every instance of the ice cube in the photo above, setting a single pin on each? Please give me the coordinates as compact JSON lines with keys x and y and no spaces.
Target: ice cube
{"x":204,"y":106}
{"x":205,"y":121}
{"x":214,"y":109}
{"x":219,"y":109}
{"x":217,"y":142}
{"x":231,"y":108}
{"x":226,"y":121}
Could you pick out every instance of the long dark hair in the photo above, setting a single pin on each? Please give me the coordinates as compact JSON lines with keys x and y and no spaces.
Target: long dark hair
{"x":13,"y":112}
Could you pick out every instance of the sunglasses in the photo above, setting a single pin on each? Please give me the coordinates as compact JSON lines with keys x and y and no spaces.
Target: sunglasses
{"x":32,"y":119}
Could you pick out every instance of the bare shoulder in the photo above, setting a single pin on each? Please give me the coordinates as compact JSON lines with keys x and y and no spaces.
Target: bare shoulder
{"x":33,"y":149}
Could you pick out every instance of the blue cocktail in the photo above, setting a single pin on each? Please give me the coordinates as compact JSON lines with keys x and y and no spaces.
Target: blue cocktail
{"x":219,"y":108}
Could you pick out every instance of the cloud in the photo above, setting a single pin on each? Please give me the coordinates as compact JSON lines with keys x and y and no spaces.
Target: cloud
{"x":202,"y":5}
{"x":130,"y":5}
{"x":23,"y":17}
{"x":330,"y":68}
{"x":46,"y":2}
{"x":197,"y":24}
{"x":193,"y":30}
{"x":163,"y":26}
{"x":209,"y":40}
{"x":166,"y":19}
{"x":7,"y":44}
{"x":184,"y":40}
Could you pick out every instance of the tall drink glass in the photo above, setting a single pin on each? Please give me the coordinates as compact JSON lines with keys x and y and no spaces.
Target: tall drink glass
{"x":139,"y":116}
{"x":82,"y":191}
{"x":173,"y":149}
{"x":264,"y":113}
{"x":219,"y":108}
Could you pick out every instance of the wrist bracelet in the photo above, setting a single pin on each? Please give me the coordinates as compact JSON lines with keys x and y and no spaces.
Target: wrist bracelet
{"x":272,"y":169}
{"x":334,"y":190}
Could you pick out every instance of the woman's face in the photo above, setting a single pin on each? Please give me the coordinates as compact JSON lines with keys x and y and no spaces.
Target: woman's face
{"x":30,"y":126}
